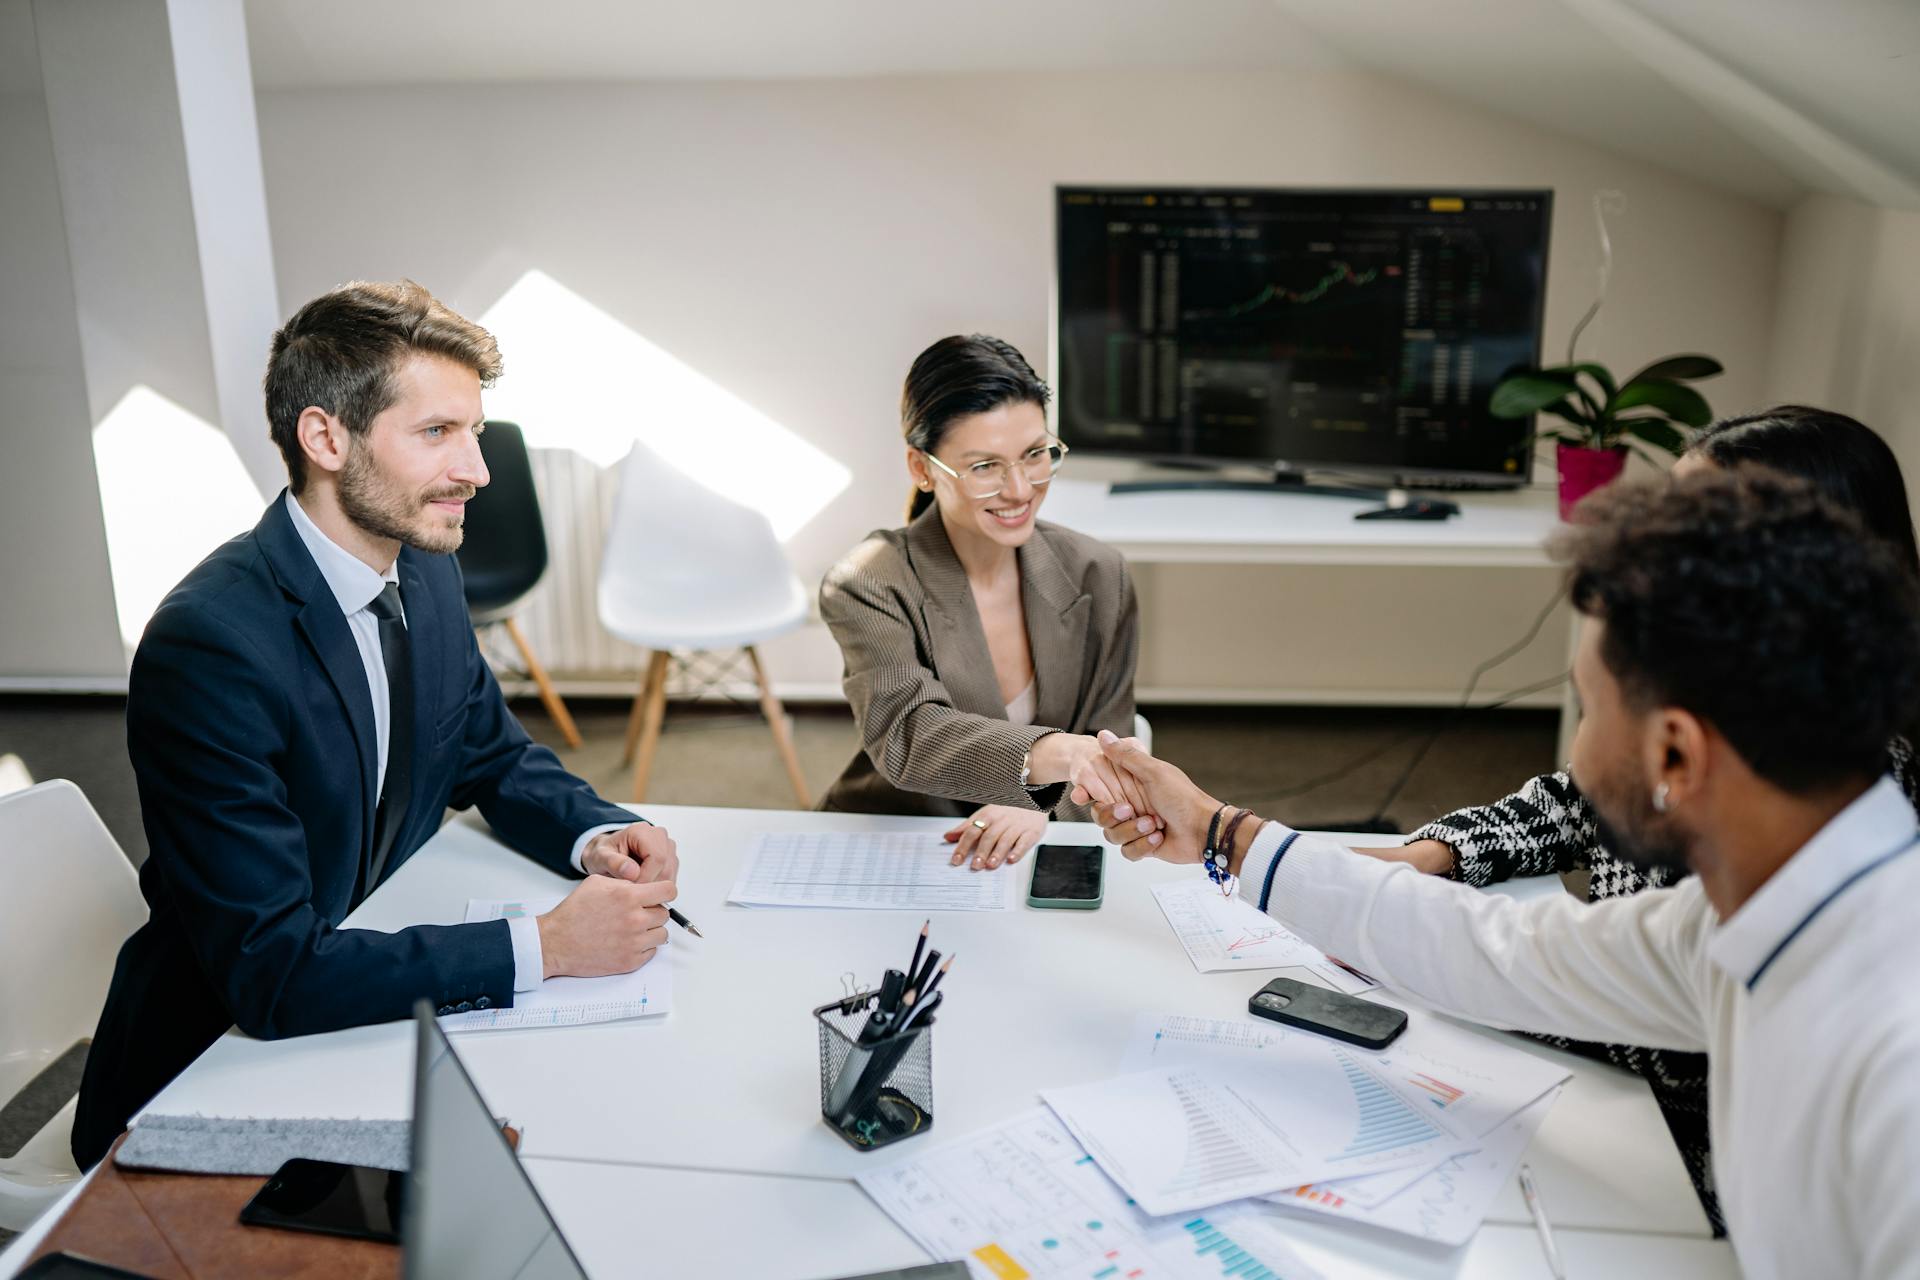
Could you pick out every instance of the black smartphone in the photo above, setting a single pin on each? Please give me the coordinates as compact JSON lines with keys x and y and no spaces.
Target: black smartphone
{"x":333,"y":1199}
{"x":1344,"y":1017}
{"x":1067,"y":877}
{"x":66,"y":1266}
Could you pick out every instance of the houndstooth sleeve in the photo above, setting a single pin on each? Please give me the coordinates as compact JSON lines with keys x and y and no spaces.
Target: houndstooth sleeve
{"x":1546,"y":826}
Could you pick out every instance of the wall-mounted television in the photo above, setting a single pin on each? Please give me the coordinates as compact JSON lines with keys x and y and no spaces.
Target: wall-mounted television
{"x":1308,"y":330}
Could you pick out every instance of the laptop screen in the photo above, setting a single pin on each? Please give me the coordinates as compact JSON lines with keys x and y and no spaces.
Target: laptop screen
{"x":471,"y":1212}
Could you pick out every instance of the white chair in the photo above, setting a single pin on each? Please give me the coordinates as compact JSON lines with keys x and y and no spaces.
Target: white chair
{"x":71,"y":899}
{"x":1143,"y":731}
{"x":13,"y":775}
{"x":687,"y":569}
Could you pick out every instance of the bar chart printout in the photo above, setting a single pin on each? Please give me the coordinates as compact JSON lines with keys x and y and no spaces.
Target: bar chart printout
{"x":1025,"y":1200}
{"x":1302,"y":1111}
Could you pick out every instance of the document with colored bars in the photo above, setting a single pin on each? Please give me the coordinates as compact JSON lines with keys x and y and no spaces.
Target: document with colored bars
{"x":1024,"y":1199}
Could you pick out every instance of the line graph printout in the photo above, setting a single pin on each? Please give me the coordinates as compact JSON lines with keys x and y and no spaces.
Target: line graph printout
{"x":1190,"y":1137}
{"x":1445,"y":1205}
{"x":1023,"y":1199}
{"x":873,"y":870}
{"x":1224,"y":933}
{"x":569,"y":1002}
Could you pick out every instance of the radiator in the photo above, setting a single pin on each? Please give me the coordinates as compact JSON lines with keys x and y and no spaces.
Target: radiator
{"x":561,"y":617}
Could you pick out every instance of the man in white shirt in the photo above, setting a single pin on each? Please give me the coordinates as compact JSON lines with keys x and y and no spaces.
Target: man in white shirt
{"x":1747,"y":654}
{"x":305,"y":706}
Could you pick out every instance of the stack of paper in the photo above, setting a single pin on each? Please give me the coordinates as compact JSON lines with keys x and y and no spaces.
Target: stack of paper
{"x":1024,"y":1199}
{"x":1425,"y":1135}
{"x":567,"y":1002}
{"x":888,"y":870}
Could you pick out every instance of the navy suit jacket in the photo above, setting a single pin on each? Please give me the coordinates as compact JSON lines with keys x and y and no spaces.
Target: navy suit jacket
{"x":252,"y":737}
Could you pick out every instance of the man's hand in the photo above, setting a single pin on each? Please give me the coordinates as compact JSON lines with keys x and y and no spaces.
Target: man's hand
{"x":1076,"y":759}
{"x":1175,"y":828}
{"x":606,"y":925}
{"x":996,"y":833}
{"x":642,"y":853}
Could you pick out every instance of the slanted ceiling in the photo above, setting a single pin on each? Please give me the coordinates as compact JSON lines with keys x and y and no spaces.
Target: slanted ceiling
{"x":1770,"y":98}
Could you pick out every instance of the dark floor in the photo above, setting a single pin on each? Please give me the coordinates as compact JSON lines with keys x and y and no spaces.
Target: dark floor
{"x":1312,"y":767}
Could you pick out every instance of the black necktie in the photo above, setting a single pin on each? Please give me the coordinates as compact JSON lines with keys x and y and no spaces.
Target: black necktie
{"x":397,"y":655}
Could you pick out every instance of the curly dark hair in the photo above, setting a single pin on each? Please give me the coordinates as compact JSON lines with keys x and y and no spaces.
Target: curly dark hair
{"x":1758,"y":604}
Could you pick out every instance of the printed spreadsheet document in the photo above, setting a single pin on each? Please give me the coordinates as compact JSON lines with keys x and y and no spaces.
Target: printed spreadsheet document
{"x":876,"y":870}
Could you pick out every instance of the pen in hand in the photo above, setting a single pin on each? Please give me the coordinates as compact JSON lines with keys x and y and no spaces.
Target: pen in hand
{"x":673,"y":914}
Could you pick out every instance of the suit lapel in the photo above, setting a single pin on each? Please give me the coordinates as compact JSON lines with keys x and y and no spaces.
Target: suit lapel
{"x":1058,"y":617}
{"x":325,"y":630}
{"x":959,"y":644}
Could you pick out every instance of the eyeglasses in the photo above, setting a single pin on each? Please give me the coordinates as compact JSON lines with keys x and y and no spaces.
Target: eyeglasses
{"x":990,"y":476}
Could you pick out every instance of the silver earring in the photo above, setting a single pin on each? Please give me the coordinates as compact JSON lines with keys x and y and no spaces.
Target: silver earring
{"x":1660,"y":794}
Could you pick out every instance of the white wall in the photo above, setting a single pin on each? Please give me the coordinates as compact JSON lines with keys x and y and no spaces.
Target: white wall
{"x":799,"y":242}
{"x":1847,"y":327}
{"x":56,"y":600}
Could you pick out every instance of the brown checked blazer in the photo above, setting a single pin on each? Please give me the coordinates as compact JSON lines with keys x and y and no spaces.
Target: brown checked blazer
{"x":934,"y":731}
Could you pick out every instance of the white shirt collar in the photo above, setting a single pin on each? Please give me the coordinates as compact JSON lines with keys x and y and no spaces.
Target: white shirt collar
{"x":1880,"y":822}
{"x":354,"y":585}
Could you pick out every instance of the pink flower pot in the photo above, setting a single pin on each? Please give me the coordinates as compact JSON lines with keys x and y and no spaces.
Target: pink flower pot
{"x":1584,"y":470}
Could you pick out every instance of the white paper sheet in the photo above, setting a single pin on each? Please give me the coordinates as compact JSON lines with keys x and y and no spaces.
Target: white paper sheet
{"x":1226,"y":933}
{"x":885,"y":871}
{"x":566,"y":1002}
{"x":1492,"y":1093}
{"x":1301,"y":1110}
{"x":1465,"y":1083}
{"x":1024,"y":1199}
{"x":1445,"y":1205}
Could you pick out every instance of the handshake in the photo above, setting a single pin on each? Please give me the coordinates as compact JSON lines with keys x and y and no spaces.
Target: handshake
{"x":1148,"y":807}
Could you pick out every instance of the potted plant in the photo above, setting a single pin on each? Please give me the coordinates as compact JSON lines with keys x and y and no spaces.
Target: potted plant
{"x":1654,"y":409}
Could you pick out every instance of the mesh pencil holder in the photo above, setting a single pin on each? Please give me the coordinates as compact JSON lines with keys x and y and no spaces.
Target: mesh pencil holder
{"x":873,"y":1095}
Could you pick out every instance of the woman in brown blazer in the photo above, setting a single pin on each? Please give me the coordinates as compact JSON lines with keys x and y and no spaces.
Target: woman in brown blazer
{"x":983,"y":648}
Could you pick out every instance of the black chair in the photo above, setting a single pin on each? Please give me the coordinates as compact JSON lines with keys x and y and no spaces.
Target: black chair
{"x":504,"y":555}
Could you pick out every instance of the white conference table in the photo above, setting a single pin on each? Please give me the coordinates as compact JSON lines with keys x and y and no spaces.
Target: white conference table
{"x":656,"y":1140}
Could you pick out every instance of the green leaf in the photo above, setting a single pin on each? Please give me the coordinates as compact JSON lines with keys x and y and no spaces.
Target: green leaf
{"x":1598,"y":372}
{"x":1657,"y":432}
{"x":1526,"y":393}
{"x":1686,"y":367}
{"x":1681,"y":403}
{"x":1583,"y":426}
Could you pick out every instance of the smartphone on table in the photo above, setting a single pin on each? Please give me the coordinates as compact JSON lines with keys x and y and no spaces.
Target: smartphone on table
{"x":333,"y":1199}
{"x":1067,"y":877}
{"x":1331,"y":1013}
{"x":70,"y":1266}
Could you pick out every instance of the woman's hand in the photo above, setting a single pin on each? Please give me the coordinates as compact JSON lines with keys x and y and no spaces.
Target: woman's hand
{"x":1077,"y":759}
{"x":995,"y":834}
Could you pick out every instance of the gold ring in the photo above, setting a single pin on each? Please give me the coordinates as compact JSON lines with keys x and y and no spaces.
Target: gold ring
{"x":979,"y":824}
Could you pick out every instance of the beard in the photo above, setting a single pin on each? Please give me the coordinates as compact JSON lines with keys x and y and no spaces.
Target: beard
{"x":379,"y":506}
{"x":1638,"y":835}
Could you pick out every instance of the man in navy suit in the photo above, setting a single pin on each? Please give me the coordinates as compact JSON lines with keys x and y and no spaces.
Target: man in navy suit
{"x":308,"y":702}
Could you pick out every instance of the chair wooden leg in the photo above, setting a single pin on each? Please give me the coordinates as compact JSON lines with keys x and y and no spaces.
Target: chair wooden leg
{"x":549,"y":698}
{"x":782,"y":732}
{"x":651,"y":707}
{"x":635,"y":715}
